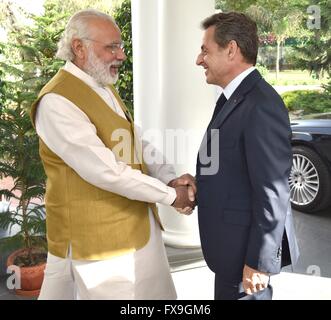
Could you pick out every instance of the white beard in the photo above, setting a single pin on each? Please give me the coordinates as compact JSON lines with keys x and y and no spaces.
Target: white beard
{"x":99,"y":70}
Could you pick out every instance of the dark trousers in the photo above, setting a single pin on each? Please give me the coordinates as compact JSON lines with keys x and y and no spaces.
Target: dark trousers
{"x":235,"y":291}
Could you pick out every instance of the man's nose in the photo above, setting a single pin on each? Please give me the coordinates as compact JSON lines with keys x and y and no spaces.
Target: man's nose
{"x":199,"y":60}
{"x":121,"y":55}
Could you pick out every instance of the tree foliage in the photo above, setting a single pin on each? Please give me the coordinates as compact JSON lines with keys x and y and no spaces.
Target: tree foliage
{"x":314,"y":51}
{"x":275,"y":17}
{"x":25,"y":65}
{"x":287,"y":19}
{"x":122,"y":15}
{"x":19,"y":159}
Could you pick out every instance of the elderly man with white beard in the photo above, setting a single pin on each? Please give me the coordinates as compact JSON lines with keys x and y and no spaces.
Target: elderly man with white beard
{"x":103,"y":230}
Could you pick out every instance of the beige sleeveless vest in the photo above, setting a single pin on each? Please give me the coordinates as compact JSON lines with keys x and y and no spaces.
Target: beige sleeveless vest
{"x":98,"y":224}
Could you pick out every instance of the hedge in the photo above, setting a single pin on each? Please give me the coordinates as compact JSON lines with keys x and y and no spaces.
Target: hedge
{"x":309,"y":101}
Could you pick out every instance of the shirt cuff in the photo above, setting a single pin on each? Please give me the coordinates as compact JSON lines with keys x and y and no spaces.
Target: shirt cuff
{"x":170,"y":197}
{"x":168,"y":177}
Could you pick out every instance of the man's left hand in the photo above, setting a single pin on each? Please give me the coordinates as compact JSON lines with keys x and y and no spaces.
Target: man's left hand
{"x":254,"y":280}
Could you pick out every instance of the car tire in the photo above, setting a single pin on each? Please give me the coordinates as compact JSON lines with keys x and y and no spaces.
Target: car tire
{"x":310,"y":181}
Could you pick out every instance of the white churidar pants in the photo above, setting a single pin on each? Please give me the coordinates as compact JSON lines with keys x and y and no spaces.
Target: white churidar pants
{"x":142,"y":275}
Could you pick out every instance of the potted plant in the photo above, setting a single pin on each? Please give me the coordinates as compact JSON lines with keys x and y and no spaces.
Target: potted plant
{"x":26,"y":64}
{"x":19,"y":159}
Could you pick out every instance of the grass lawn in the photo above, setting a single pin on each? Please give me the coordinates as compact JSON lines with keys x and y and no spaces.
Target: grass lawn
{"x":293,"y":77}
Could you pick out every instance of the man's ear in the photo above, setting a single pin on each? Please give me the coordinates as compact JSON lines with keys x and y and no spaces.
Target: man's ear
{"x":78,"y":48}
{"x":232,"y":49}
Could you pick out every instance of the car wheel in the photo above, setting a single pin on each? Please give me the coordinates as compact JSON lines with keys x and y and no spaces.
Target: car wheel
{"x":310,"y":181}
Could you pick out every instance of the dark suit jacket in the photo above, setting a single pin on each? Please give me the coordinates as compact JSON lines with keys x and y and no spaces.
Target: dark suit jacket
{"x":243,"y":194}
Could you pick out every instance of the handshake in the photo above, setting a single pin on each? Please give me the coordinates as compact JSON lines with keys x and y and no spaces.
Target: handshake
{"x":185,"y":189}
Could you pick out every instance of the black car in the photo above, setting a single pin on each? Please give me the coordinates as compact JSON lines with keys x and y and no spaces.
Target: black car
{"x":310,"y":178}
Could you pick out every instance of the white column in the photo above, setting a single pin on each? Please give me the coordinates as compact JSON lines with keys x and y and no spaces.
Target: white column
{"x":170,"y":91}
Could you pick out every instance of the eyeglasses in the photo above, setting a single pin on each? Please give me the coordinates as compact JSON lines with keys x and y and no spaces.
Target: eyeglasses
{"x":112,"y":47}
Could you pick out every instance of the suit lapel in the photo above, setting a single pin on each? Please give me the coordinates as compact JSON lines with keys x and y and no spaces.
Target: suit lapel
{"x":236,"y":98}
{"x":229,"y":106}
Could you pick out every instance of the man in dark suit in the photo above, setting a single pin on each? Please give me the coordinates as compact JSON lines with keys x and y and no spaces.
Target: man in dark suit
{"x":245,"y":220}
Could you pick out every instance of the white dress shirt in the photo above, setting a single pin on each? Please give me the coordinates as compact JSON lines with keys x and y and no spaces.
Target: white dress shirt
{"x":69,"y":133}
{"x":234,"y":84}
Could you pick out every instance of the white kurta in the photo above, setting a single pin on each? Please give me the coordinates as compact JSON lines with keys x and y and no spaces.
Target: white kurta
{"x":145,"y":274}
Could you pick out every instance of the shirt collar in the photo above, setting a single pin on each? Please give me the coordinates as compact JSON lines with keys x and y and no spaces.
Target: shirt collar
{"x":234,"y":84}
{"x":80,"y":74}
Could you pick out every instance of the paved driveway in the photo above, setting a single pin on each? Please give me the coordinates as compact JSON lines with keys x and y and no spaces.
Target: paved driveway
{"x":193,"y":280}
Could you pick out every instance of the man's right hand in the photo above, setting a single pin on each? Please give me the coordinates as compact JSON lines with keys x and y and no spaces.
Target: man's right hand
{"x":182,"y":200}
{"x":185,"y":180}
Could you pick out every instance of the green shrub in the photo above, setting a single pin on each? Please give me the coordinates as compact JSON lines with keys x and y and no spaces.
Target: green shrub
{"x":307,"y":100}
{"x":327,"y":88}
{"x":124,"y":85}
{"x":262,"y":69}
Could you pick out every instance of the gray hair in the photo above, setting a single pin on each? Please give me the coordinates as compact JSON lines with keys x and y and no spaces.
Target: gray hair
{"x":78,"y":28}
